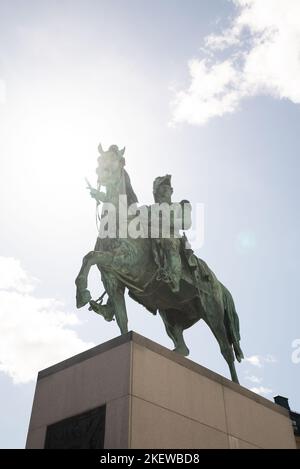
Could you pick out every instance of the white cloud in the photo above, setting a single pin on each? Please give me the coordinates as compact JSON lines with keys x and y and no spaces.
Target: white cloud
{"x":260,"y":56}
{"x":254,"y":360}
{"x":270,"y":359}
{"x":262,"y":390}
{"x":259,"y":360}
{"x":35,"y":332}
{"x":13,"y":276}
{"x":254,"y":379}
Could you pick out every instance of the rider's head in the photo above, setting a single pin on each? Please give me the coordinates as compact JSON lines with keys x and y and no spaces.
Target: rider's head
{"x":162,"y":189}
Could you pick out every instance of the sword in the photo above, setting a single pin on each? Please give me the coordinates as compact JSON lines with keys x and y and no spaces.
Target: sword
{"x":89,"y":186}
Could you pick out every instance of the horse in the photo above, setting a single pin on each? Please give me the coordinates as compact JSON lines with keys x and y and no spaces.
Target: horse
{"x":127,"y":263}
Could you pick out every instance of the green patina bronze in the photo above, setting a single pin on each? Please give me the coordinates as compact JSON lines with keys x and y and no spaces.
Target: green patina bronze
{"x":162,"y":274}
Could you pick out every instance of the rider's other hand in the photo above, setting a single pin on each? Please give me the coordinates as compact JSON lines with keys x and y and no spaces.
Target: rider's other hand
{"x":94,"y":193}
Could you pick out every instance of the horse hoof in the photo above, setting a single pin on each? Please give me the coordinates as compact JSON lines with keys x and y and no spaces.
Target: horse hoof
{"x":104,"y":310}
{"x":83,"y":298}
{"x":182,"y":351}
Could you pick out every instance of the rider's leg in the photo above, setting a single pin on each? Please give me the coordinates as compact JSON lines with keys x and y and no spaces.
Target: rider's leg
{"x":174,"y":266}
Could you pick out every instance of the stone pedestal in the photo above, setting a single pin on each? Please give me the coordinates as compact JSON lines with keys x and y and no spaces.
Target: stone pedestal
{"x":133,"y":393}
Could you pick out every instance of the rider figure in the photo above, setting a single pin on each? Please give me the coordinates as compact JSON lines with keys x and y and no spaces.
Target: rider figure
{"x":166,"y":248}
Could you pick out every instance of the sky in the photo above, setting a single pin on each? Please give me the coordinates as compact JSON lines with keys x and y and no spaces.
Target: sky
{"x":205,"y":90}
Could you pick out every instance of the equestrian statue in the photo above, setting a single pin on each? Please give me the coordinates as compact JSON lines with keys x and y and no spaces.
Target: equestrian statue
{"x":140,"y":249}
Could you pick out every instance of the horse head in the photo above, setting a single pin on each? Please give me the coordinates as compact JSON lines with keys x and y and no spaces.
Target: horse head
{"x":111,"y":171}
{"x":110,"y":165}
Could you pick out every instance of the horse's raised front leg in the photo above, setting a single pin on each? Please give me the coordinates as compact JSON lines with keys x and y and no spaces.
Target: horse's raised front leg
{"x":103,"y":259}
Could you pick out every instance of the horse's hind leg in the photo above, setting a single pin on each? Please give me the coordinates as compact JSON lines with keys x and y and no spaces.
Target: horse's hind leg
{"x":220,"y":334}
{"x":175,"y":332}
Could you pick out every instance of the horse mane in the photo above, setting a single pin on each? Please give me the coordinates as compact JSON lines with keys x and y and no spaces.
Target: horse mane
{"x":131,"y":196}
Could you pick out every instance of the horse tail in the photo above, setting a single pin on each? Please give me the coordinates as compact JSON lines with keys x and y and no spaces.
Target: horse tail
{"x":232,"y":323}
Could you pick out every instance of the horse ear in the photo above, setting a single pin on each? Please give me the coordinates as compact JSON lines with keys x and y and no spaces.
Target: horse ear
{"x":122,"y":151}
{"x":100,"y":149}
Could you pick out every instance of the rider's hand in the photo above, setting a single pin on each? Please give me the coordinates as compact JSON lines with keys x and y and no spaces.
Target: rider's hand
{"x":95,"y":194}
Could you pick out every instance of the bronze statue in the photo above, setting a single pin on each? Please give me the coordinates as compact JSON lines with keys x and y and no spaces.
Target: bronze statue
{"x":160,"y":272}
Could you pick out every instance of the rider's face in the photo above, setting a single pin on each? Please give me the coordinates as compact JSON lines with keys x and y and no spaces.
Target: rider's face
{"x":164,"y":194}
